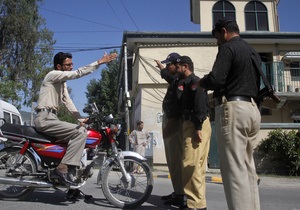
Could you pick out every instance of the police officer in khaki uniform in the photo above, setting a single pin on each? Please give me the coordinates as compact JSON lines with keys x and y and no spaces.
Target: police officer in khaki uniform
{"x":172,"y":125}
{"x":53,"y":92}
{"x":196,"y":134}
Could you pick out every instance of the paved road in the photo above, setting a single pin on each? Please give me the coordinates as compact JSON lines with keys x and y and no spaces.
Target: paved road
{"x":275,"y":193}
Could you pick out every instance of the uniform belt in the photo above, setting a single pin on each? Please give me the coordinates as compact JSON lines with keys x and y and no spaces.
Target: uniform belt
{"x":46,"y":110}
{"x":218,"y":101}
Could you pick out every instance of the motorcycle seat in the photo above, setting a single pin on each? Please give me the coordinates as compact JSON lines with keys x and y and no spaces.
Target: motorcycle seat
{"x":28,"y":132}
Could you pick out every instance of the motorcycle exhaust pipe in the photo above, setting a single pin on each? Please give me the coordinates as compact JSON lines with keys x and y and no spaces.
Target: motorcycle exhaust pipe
{"x":24,"y":182}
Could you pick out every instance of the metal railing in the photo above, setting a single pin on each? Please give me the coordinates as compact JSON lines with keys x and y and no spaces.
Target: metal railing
{"x":283,"y":78}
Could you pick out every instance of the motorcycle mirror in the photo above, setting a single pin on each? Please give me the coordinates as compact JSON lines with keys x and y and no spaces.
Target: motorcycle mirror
{"x":109,"y":118}
{"x":87,"y":110}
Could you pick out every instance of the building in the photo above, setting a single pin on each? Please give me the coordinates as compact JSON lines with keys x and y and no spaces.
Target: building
{"x":141,"y":85}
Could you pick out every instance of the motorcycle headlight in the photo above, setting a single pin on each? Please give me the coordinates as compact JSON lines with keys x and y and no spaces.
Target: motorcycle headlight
{"x":114,"y":128}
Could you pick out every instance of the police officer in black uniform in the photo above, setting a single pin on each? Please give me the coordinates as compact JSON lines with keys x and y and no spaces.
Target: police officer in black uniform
{"x":196,"y":134}
{"x":172,"y":125}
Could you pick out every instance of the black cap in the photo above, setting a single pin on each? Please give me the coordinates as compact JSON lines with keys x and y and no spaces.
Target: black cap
{"x":184,"y":59}
{"x":172,"y":58}
{"x":222,"y":22}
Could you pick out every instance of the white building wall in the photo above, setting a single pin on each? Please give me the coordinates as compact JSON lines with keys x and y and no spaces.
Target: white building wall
{"x":153,"y":87}
{"x":206,"y":13}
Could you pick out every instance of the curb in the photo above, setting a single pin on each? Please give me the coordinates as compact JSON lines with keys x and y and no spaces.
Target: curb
{"x":213,"y":179}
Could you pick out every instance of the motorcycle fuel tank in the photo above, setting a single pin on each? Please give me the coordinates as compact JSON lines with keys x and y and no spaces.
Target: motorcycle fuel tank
{"x":93,"y":139}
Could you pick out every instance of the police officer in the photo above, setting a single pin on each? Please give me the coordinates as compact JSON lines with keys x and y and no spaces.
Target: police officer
{"x":196,"y":134}
{"x":172,"y":125}
{"x":235,"y":83}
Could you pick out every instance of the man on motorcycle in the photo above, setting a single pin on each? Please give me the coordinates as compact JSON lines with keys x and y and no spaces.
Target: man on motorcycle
{"x":53,"y":91}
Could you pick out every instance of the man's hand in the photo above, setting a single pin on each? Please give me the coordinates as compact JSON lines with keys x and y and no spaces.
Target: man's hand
{"x":159,"y":64}
{"x":84,"y":121}
{"x":107,"y":58}
{"x":198,"y":136}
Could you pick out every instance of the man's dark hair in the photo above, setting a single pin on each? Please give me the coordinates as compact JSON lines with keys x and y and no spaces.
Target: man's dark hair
{"x":228,"y":23}
{"x":186,"y":60}
{"x":139,"y":122}
{"x":60,"y":57}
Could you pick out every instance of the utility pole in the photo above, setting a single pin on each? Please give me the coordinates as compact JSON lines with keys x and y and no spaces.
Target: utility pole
{"x":126,"y":96}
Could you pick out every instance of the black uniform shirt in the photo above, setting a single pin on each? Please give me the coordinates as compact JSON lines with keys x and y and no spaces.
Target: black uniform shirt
{"x":233,"y":73}
{"x":171,"y":104}
{"x":194,"y":100}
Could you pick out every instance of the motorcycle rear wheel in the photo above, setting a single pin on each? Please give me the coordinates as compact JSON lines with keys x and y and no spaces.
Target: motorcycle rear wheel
{"x":7,"y":158}
{"x":127,"y":195}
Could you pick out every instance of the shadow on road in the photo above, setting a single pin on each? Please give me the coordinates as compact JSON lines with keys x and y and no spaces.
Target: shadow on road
{"x":59,"y":199}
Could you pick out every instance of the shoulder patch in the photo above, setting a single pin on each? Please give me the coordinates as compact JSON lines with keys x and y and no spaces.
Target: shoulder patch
{"x":194,"y":87}
{"x":180,"y":87}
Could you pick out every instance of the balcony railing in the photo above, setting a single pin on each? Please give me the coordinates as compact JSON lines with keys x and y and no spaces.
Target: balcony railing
{"x":284,"y":79}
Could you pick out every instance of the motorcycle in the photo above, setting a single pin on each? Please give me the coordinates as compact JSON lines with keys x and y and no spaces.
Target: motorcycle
{"x":28,"y":158}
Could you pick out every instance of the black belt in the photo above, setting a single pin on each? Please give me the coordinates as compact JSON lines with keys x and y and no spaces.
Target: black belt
{"x":46,"y":110}
{"x":218,"y":101}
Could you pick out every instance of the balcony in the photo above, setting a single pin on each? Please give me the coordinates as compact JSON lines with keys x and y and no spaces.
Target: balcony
{"x":285,"y":77}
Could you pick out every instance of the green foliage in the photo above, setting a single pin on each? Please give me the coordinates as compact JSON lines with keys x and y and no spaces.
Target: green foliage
{"x":104,"y":90}
{"x":26,"y":46}
{"x":63,"y":113}
{"x":283,"y":148}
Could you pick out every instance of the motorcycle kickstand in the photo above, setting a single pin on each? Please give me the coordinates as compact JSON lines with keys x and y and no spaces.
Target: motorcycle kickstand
{"x":75,"y":193}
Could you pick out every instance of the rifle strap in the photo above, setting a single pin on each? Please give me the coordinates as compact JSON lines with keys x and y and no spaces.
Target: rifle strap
{"x":258,"y":68}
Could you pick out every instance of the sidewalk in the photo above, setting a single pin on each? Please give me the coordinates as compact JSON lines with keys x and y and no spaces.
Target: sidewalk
{"x":212,"y":175}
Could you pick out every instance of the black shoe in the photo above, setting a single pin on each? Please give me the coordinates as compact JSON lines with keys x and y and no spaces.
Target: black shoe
{"x":174,"y":200}
{"x":179,"y":202}
{"x":197,"y":209}
{"x":168,"y":197}
{"x":63,"y":177}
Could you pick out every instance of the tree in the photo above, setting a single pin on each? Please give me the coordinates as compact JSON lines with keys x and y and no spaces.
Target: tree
{"x":25,"y":50}
{"x":63,"y":113}
{"x":104,"y":90}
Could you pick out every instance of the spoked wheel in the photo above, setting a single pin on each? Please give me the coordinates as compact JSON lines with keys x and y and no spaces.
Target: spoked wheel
{"x":131,"y":191}
{"x":8,"y":157}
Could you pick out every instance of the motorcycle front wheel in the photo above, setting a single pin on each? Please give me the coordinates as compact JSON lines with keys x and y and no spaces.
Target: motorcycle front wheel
{"x":130,"y":192}
{"x":8,"y":157}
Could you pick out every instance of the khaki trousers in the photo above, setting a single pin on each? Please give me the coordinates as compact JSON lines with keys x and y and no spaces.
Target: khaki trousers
{"x":194,"y":163}
{"x":173,"y":151}
{"x":74,"y":135}
{"x":237,"y":127}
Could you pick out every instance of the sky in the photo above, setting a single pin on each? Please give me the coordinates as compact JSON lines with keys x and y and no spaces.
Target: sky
{"x":89,"y":28}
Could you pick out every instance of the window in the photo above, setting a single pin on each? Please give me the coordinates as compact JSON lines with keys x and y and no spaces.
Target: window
{"x":256,"y":16}
{"x":222,"y":9}
{"x":7,"y":117}
{"x":16,"y":119}
{"x":295,"y":70}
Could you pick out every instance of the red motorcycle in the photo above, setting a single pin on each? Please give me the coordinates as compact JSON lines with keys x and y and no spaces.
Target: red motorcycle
{"x":28,"y":157}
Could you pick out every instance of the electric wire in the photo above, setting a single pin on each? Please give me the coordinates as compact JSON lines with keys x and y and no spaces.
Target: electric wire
{"x":67,"y":32}
{"x":86,"y":20}
{"x":129,"y":15}
{"x":112,"y":9}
